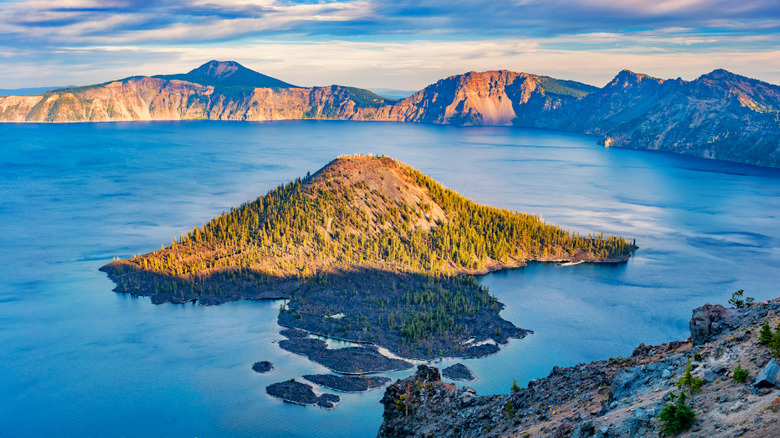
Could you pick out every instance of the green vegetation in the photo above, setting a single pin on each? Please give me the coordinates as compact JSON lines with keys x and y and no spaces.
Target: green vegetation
{"x":774,"y":343}
{"x":306,"y":227}
{"x":371,"y":240}
{"x":737,"y":301}
{"x":765,"y":334}
{"x":676,"y":417}
{"x":509,"y":409}
{"x":687,"y":380}
{"x":739,"y":375}
{"x":515,"y":387}
{"x":565,"y":88}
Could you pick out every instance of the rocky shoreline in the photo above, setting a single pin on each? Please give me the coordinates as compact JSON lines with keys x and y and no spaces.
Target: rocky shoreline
{"x":347,"y":383}
{"x":301,"y":394}
{"x":619,"y":397}
{"x":349,"y":360}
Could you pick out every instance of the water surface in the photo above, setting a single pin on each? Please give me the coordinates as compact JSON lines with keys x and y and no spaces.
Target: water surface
{"x":81,"y":360}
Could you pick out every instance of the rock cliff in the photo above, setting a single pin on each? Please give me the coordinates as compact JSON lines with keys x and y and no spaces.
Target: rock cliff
{"x":719,"y":115}
{"x":616,"y":397}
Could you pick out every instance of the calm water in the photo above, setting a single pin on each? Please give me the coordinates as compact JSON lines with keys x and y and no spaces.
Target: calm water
{"x":81,"y":360}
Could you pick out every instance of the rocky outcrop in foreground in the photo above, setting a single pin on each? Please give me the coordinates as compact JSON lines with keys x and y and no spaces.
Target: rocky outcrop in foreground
{"x":616,"y":397}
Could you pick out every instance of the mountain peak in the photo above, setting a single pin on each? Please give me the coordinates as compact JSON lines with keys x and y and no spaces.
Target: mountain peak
{"x":627,"y":78}
{"x":217,"y":69}
{"x":719,"y":74}
{"x":228,"y":74}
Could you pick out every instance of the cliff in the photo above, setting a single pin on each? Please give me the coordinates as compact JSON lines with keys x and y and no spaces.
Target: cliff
{"x":616,"y":397}
{"x":719,"y":115}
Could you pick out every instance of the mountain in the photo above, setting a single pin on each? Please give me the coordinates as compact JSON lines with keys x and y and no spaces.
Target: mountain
{"x":618,"y":397}
{"x":489,"y":98}
{"x":370,"y":239}
{"x":719,"y":115}
{"x":228,"y":74}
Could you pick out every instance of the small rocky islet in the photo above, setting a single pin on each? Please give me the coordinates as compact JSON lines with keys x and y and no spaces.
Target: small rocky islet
{"x":457,"y":372}
{"x":301,"y":394}
{"x":262,"y":367}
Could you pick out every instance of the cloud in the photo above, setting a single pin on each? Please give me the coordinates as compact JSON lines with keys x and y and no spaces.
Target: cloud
{"x":405,"y":65}
{"x":395,"y":44}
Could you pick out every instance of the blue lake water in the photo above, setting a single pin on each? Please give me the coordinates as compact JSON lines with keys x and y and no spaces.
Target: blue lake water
{"x":80,"y":360}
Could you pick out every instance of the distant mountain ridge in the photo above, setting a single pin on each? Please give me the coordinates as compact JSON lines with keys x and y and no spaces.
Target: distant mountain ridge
{"x":228,"y":74}
{"x":719,"y":115}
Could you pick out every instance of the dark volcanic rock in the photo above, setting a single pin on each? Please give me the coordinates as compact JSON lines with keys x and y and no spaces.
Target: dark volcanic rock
{"x":350,"y":360}
{"x":328,"y":401}
{"x":347,"y":383}
{"x":293,"y":392}
{"x":301,"y":394}
{"x":481,"y":350}
{"x":707,"y":321}
{"x":294,"y":333}
{"x":458,"y":372}
{"x":263,"y":367}
{"x":768,"y":376}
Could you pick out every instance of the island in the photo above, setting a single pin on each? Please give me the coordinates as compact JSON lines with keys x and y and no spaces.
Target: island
{"x":457,"y":372}
{"x":369,"y":250}
{"x":263,"y":367}
{"x":301,"y":394}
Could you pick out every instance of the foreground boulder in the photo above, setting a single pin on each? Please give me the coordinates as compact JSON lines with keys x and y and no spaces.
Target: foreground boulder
{"x":707,"y":321}
{"x":767,"y":377}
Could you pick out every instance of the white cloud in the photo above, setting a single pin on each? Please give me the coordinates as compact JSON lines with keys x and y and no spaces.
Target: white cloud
{"x":408,"y":65}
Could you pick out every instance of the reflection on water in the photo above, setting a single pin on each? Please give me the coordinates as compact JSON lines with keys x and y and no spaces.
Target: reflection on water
{"x":80,"y":360}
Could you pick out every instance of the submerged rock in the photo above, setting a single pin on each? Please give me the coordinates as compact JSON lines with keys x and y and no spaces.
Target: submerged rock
{"x":458,"y":372}
{"x":263,"y":367}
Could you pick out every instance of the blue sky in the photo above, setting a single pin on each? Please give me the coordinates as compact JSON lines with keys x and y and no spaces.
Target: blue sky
{"x":387,"y":44}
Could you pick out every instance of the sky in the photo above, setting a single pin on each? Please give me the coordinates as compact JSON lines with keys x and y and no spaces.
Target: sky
{"x":403,"y":45}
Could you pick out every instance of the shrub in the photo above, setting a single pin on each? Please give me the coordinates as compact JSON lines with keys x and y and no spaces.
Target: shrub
{"x":738,"y":302}
{"x":739,"y":375}
{"x":515,"y":387}
{"x":687,"y":379}
{"x":510,"y":409}
{"x":765,"y":334}
{"x":676,"y":417}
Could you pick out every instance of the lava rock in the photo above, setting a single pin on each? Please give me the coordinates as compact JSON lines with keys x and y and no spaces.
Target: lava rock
{"x":708,"y":321}
{"x":263,"y":367}
{"x":301,"y":394}
{"x":458,"y":372}
{"x":767,"y":377}
{"x":347,"y":383}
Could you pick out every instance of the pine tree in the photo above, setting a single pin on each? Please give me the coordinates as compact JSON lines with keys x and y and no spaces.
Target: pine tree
{"x":765,"y":334}
{"x":687,"y":379}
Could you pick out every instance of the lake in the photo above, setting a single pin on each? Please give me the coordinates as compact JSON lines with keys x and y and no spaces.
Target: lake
{"x":81,"y":360}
